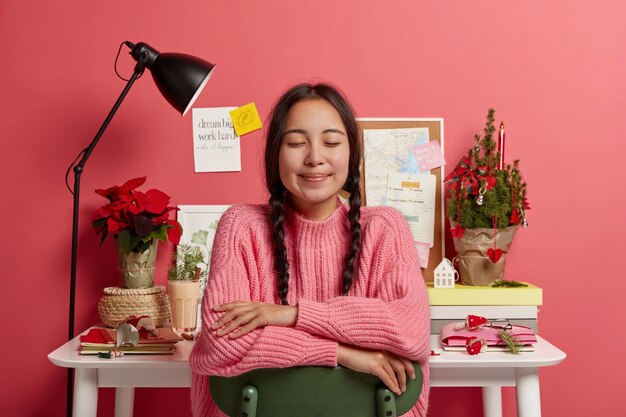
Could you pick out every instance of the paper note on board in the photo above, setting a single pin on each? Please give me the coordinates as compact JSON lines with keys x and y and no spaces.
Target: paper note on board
{"x":246,"y":119}
{"x":414,"y":196}
{"x":216,"y":146}
{"x":429,"y":156}
{"x":423,"y":253}
{"x":389,"y":150}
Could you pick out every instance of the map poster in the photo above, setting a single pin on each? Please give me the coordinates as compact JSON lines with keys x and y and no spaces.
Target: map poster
{"x":216,"y":147}
{"x":389,"y":151}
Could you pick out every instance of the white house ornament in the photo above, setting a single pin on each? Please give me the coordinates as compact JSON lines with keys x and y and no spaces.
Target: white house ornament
{"x":445,"y":275}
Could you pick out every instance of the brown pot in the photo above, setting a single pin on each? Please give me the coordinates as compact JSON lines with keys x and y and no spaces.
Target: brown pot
{"x":475,"y":267}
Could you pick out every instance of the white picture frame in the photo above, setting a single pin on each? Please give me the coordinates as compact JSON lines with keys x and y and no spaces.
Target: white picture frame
{"x":196,"y":218}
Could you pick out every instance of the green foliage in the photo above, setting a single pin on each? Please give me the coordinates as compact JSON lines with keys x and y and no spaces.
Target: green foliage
{"x":499,"y":203}
{"x":509,"y":284}
{"x":130,"y":242}
{"x":185,"y":259}
{"x":512,"y":343}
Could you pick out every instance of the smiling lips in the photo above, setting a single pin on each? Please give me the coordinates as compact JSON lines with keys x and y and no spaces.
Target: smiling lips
{"x":315,"y":177}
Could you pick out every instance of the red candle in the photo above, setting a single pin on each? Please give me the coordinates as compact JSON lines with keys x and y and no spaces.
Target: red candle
{"x":501,"y":146}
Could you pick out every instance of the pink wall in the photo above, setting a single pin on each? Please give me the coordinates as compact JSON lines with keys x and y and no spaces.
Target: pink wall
{"x":554,"y":71}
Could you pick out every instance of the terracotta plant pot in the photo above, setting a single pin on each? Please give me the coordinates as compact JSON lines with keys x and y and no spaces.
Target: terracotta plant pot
{"x":475,"y":266}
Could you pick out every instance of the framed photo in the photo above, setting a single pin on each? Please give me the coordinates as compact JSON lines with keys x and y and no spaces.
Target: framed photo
{"x":199,"y":224}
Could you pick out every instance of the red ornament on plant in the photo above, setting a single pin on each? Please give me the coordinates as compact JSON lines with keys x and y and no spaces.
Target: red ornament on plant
{"x":457,"y":231}
{"x":494,"y":254}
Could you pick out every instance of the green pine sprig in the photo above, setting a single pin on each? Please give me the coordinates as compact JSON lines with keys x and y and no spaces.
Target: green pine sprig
{"x":509,"y":284}
{"x":512,"y":343}
{"x":185,"y":259}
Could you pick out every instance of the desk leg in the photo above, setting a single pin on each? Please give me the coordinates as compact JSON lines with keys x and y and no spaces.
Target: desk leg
{"x":527,"y":392}
{"x":492,"y":401}
{"x":85,"y":392}
{"x":124,"y":400}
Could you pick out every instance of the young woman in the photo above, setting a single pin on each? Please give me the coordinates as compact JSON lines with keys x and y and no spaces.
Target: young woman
{"x":307,"y":280}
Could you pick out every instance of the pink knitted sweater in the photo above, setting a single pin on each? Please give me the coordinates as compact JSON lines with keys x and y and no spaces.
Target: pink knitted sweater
{"x":386,"y":309}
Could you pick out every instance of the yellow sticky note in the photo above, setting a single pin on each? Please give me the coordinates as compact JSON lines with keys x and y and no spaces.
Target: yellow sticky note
{"x":245,"y":119}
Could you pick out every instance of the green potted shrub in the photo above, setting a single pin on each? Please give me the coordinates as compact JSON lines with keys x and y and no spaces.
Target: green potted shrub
{"x":486,"y":204}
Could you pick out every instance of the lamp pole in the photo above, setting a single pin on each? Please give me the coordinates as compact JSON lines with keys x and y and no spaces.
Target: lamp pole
{"x":78,"y":170}
{"x":180,"y":79}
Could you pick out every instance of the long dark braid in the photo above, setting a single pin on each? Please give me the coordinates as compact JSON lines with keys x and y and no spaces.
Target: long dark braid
{"x":275,"y":133}
{"x":354,"y":215}
{"x":281,"y":263}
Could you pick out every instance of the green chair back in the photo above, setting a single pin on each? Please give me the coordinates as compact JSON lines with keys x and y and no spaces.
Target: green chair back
{"x":311,"y":392}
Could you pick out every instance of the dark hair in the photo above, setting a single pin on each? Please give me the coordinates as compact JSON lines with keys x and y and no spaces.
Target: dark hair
{"x":278,"y":119}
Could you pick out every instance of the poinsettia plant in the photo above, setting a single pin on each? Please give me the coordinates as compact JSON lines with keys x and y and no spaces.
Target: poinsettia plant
{"x":134,"y":218}
{"x":483,"y":193}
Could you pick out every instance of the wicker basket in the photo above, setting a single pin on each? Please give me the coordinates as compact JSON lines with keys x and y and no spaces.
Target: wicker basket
{"x":118,"y":303}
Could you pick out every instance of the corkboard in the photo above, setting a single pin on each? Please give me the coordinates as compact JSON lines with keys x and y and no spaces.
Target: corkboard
{"x":435,"y":127}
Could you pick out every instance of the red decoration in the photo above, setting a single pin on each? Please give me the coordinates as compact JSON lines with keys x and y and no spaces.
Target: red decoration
{"x":474,"y":322}
{"x":144,"y":215}
{"x":494,"y":254}
{"x":457,"y":231}
{"x":465,"y":176}
{"x":474,"y":345}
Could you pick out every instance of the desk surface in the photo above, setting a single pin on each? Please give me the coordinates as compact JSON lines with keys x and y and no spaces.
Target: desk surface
{"x":545,"y":354}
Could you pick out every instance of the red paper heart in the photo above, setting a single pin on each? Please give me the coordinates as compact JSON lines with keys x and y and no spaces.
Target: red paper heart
{"x":494,"y":255}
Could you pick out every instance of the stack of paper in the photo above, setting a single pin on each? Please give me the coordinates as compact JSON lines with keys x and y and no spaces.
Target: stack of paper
{"x":99,"y":339}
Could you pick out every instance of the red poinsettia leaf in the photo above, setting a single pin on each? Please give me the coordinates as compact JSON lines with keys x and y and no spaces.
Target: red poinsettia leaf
{"x":175,"y":232}
{"x":101,"y":213}
{"x":130,"y":185}
{"x":138,"y":203}
{"x":120,"y":204}
{"x":525,"y":203}
{"x":114,"y":225}
{"x":160,"y":219}
{"x":156,"y":201}
{"x":112,"y":193}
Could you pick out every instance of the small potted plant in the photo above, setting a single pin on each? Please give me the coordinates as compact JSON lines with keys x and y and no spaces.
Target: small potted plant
{"x":137,"y":221}
{"x":486,"y":204}
{"x":187,"y":268}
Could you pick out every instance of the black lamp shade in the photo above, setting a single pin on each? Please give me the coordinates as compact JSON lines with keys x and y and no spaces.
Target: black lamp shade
{"x":180,"y":78}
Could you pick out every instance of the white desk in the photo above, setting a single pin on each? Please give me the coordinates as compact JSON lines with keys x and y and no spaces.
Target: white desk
{"x":491,"y":371}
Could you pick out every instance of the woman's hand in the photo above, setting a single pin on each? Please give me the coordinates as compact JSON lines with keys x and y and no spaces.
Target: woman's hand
{"x":241,"y":317}
{"x":391,"y":369}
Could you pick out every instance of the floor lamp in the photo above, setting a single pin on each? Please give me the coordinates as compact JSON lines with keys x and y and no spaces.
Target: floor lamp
{"x":180,"y":79}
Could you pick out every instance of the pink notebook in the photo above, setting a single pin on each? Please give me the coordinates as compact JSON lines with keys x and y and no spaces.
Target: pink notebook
{"x":451,"y":337}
